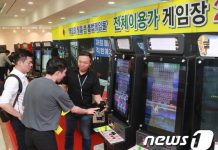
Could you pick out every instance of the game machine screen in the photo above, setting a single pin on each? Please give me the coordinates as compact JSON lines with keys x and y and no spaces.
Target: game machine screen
{"x":74,"y":52}
{"x":37,"y":56}
{"x":206,"y":100}
{"x":162,"y":96}
{"x":122,"y":89}
{"x":37,"y":59}
{"x":47,"y":54}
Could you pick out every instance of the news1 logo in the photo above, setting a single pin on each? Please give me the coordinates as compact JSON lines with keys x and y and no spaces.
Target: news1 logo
{"x":201,"y":140}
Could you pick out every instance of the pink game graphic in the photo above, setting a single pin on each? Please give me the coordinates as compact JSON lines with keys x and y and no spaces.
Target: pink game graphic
{"x":215,"y":19}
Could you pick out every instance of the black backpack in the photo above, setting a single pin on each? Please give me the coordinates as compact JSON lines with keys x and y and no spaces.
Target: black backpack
{"x":3,"y":83}
{"x":5,"y":117}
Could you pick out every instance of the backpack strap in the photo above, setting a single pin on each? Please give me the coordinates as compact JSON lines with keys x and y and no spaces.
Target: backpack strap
{"x":20,"y":88}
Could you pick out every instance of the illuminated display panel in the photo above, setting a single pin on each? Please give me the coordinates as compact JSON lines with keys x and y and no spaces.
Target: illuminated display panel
{"x":122,"y":87}
{"x":37,"y":59}
{"x":123,"y":44}
{"x":162,"y":95}
{"x":209,"y":108}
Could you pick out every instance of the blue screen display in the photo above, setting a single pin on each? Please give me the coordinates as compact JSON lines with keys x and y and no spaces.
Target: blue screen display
{"x":162,"y":95}
{"x":122,"y":87}
{"x":37,"y":59}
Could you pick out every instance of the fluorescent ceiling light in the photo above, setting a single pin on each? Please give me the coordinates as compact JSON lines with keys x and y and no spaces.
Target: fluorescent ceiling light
{"x":50,"y":22}
{"x":63,"y":18}
{"x":22,"y":9}
{"x":15,"y":15}
{"x":111,"y":3}
{"x":81,"y":12}
{"x":30,"y":3}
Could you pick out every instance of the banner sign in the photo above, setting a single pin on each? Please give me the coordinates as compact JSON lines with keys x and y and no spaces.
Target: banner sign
{"x":101,"y":47}
{"x":187,"y":16}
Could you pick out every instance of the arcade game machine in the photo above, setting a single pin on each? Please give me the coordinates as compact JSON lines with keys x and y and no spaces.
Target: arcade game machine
{"x":73,"y":53}
{"x":168,"y":91}
{"x":63,"y":48}
{"x":126,"y":72}
{"x":27,"y":46}
{"x":37,"y":58}
{"x":47,"y":47}
{"x":206,"y":89}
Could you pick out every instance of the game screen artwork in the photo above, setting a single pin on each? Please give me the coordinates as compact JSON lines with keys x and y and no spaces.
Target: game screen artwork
{"x":209,"y":109}
{"x":122,"y":87}
{"x":162,"y":93}
{"x":38,"y":59}
{"x":46,"y":56}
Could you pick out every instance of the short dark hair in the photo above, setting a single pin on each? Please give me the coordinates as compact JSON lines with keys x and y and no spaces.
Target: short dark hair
{"x":85,"y":53}
{"x":55,"y":64}
{"x":21,"y":54}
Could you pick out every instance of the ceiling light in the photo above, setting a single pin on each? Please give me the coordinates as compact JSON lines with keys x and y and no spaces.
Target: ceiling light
{"x":50,"y":22}
{"x":43,"y":30}
{"x":14,"y":31}
{"x":111,"y":3}
{"x":15,"y":15}
{"x":22,"y":9}
{"x":30,"y":3}
{"x":81,"y":12}
{"x":28,"y":30}
{"x":63,"y":18}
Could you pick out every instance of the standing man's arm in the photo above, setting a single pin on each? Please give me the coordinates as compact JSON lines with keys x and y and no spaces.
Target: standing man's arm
{"x":96,"y":93}
{"x":10,"y":89}
{"x":78,"y":110}
{"x":64,"y":86}
{"x":7,"y":59}
{"x":98,"y":98}
{"x":8,"y":108}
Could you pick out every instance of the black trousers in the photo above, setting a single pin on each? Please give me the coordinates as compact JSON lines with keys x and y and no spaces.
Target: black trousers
{"x":19,"y":130}
{"x":40,"y":140}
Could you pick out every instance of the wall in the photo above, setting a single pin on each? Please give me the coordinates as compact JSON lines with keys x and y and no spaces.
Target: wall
{"x":9,"y":38}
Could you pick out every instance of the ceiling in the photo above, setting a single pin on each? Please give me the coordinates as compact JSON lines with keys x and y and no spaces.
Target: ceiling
{"x":44,"y":11}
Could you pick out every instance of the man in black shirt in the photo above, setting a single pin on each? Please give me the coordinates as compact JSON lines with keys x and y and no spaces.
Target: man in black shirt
{"x":82,"y":84}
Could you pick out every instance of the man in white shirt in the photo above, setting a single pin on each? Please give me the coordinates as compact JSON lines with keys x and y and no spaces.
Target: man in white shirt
{"x":23,"y":64}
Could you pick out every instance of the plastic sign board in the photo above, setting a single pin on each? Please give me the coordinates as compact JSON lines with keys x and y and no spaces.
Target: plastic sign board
{"x":208,"y":45}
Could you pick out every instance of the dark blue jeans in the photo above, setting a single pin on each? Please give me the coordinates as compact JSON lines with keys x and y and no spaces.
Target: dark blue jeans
{"x":19,"y":130}
{"x":85,"y":127}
